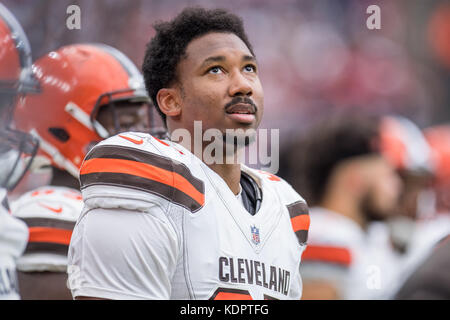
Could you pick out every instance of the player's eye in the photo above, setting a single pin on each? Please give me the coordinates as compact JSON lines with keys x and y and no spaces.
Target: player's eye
{"x":215,"y":70}
{"x":250,"y":68}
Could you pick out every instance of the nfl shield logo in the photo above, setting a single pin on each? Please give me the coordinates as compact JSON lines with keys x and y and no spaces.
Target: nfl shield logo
{"x":255,"y":235}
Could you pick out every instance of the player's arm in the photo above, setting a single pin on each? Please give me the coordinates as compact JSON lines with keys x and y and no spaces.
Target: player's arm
{"x":125,"y":245}
{"x":324,"y":269}
{"x":122,"y":254}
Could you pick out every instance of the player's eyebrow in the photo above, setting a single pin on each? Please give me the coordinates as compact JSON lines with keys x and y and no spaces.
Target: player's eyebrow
{"x":249,"y":58}
{"x":209,"y":60}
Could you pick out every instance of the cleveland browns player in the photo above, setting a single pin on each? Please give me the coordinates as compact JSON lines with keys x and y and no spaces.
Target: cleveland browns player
{"x":351,"y":188}
{"x":88,"y":92}
{"x":158,"y":222}
{"x":16,"y":148}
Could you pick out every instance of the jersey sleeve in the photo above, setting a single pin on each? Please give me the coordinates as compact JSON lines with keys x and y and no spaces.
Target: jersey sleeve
{"x":117,"y":253}
{"x":329,"y":255}
{"x":296,"y":206}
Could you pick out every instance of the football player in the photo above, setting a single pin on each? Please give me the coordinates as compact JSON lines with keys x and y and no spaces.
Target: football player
{"x":88,"y":92}
{"x":438,"y":138}
{"x":350,"y":185}
{"x":431,"y":254}
{"x":423,"y":254}
{"x":404,"y":144}
{"x":16,"y":148}
{"x":414,"y":227}
{"x":158,"y":222}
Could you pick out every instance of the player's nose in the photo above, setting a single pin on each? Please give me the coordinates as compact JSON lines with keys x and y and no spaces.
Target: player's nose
{"x":240,"y":85}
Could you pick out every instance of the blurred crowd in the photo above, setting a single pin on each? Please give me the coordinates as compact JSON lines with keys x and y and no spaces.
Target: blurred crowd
{"x":363,"y":117}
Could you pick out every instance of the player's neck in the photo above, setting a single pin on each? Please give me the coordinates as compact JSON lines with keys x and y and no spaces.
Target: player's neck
{"x":64,"y":179}
{"x":344,"y":206}
{"x":230,"y":173}
{"x":227,"y":166}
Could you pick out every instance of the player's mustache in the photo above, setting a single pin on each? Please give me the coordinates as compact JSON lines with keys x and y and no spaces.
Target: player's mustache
{"x":241,"y":100}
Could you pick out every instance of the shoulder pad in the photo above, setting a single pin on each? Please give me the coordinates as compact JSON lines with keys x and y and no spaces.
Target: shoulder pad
{"x":50,"y":214}
{"x":295,"y":204}
{"x":142,"y":163}
{"x":52,"y":202}
{"x":287,"y":194}
{"x":333,"y":229}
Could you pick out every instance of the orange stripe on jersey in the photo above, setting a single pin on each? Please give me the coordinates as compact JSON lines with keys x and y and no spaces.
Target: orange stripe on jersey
{"x":232,"y":296}
{"x":143,"y":170}
{"x":53,"y":235}
{"x":162,"y":142}
{"x":329,"y":254}
{"x":299,"y":214}
{"x":300,"y":222}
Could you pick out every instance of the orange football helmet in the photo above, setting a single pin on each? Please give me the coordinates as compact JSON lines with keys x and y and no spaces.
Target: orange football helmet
{"x":15,"y":56}
{"x":438,"y":138}
{"x":17,"y":149}
{"x":77,"y":81}
{"x":404,"y":145}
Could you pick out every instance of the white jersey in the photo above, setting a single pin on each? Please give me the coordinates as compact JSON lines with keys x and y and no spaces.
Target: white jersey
{"x":426,"y":236}
{"x":50,"y":213}
{"x":13,"y":239}
{"x":360,"y":264}
{"x":159,"y":224}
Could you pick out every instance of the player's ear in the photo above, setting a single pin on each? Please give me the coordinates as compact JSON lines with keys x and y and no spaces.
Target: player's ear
{"x":168,"y":102}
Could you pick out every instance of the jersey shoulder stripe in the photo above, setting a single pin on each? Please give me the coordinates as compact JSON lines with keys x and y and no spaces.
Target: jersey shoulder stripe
{"x":299,"y":214}
{"x":139,"y":169}
{"x":328,"y":254}
{"x":48,"y":235}
{"x":48,"y":223}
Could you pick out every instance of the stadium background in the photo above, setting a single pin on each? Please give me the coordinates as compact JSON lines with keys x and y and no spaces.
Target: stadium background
{"x":314,"y":56}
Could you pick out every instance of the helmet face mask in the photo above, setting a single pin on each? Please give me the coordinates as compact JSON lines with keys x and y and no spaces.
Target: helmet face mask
{"x":17,"y":151}
{"x":115,"y":114}
{"x":95,"y":92}
{"x":16,"y":74}
{"x":111,"y":108}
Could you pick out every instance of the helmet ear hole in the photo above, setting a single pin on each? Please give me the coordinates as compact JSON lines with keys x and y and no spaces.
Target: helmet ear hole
{"x":59,"y":133}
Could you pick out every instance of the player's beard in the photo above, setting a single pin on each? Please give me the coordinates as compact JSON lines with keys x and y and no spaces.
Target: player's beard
{"x":369,"y":208}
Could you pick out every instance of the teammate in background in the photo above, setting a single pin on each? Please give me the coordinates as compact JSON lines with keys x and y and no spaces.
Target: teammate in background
{"x":348,"y":184}
{"x":414,"y":227}
{"x":16,"y":148}
{"x":438,"y":138}
{"x":158,"y":222}
{"x":88,"y":92}
{"x":405,"y":146}
{"x":430,"y":279}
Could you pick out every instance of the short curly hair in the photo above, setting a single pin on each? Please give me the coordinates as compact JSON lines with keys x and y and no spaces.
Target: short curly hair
{"x":168,"y":46}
